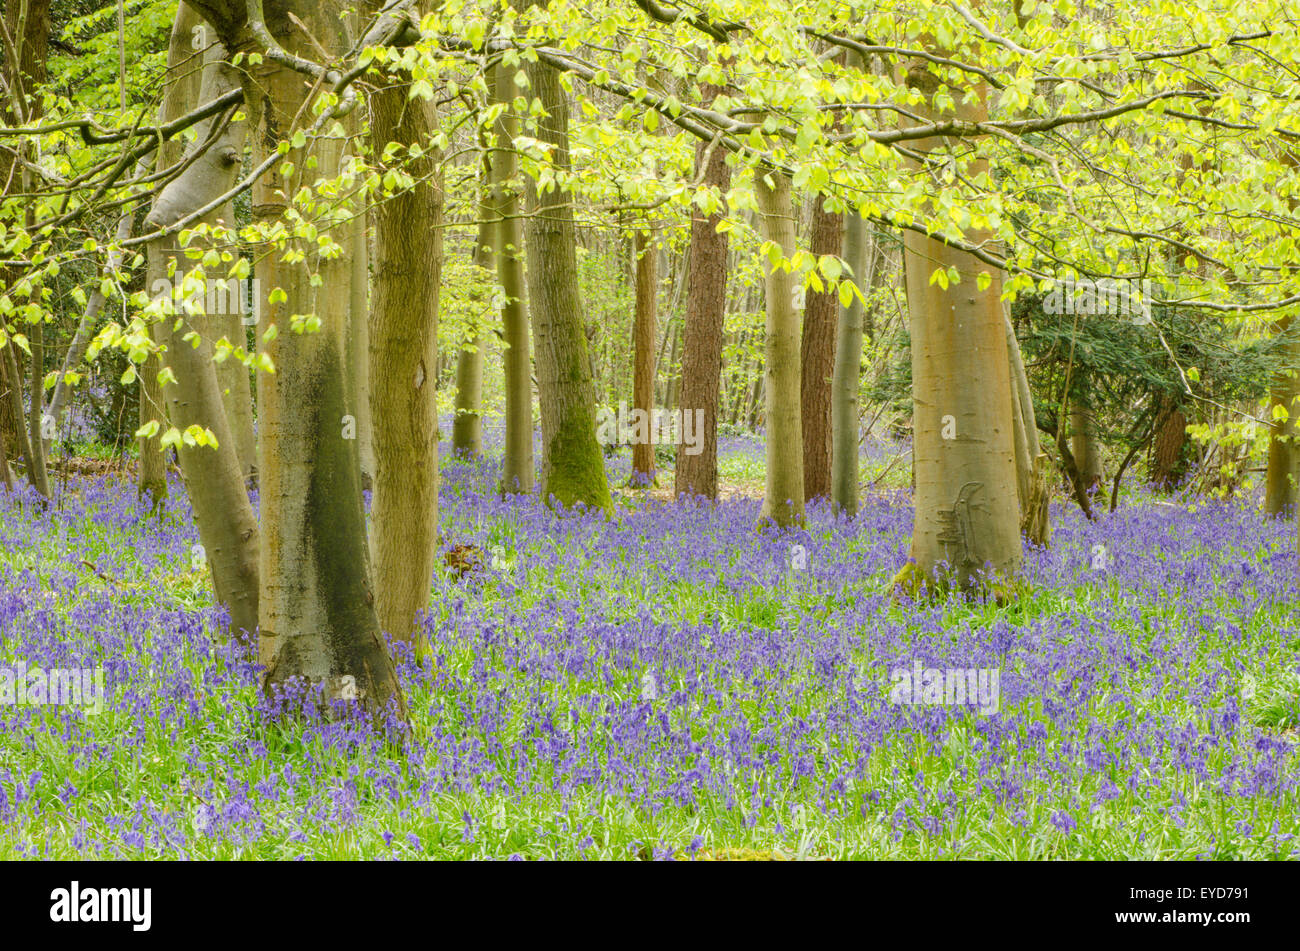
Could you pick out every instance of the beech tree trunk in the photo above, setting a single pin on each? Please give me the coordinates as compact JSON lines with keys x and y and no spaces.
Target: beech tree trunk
{"x":859,"y":254}
{"x":967,"y":512}
{"x":181,"y":86}
{"x":1031,"y":463}
{"x":316,"y":605}
{"x":643,"y":382}
{"x":573,"y":465}
{"x":817,"y":359}
{"x":783,"y":500}
{"x":151,"y":475}
{"x":702,"y":336}
{"x":36,"y":410}
{"x":213,"y":477}
{"x":518,"y":471}
{"x":358,"y":348}
{"x":237,"y":394}
{"x":403,"y":372}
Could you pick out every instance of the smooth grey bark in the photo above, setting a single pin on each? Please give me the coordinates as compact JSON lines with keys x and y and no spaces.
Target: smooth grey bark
{"x":967,"y":512}
{"x":1031,"y":463}
{"x":181,"y":86}
{"x":214,"y":478}
{"x":237,"y":394}
{"x":358,"y":347}
{"x":518,"y":474}
{"x":317,"y":619}
{"x":845,"y":380}
{"x":783,"y":500}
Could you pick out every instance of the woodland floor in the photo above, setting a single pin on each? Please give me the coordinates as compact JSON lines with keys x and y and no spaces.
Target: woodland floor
{"x":666,"y":684}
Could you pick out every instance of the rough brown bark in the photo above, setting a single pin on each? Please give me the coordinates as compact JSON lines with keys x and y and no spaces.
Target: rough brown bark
{"x":702,"y":339}
{"x":403,"y":351}
{"x":467,"y":425}
{"x":1168,"y":461}
{"x":27,"y":27}
{"x":643,"y":381}
{"x":11,"y":383}
{"x":817,"y":359}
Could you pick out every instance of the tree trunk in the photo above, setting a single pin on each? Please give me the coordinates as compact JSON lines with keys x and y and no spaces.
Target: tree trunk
{"x":232,"y":375}
{"x":817,"y":358}
{"x":28,"y":26}
{"x":214,"y":478}
{"x":237,"y":395}
{"x":783,"y":500}
{"x":967,"y":512}
{"x":36,"y":418}
{"x":13,"y":386}
{"x":573,"y":466}
{"x":5,"y":475}
{"x":1168,"y":465}
{"x":317,"y":606}
{"x":846,"y":379}
{"x":403,"y":351}
{"x":1283,"y":472}
{"x":151,"y":475}
{"x":702,"y":336}
{"x":1084,"y":446}
{"x":1031,"y":463}
{"x":358,"y":348}
{"x":12,"y":425}
{"x":643,"y":383}
{"x":467,"y":427}
{"x":672,"y":389}
{"x":517,"y":466}
{"x":181,"y":86}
